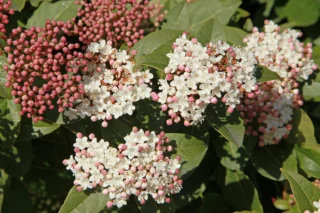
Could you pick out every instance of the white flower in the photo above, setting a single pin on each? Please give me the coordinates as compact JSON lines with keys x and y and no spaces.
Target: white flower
{"x":111,"y":87}
{"x":136,"y":166}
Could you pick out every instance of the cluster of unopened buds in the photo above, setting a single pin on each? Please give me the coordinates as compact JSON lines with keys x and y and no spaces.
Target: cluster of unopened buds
{"x":111,"y":86}
{"x":39,"y":60}
{"x":272,"y":103}
{"x":118,"y":21}
{"x":138,"y":167}
{"x":197,"y":76}
{"x":157,"y":14}
{"x":5,"y":11}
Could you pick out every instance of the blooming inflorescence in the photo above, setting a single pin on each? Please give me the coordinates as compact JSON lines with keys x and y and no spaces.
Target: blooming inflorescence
{"x":118,"y":21}
{"x":138,"y":167}
{"x":197,"y":76}
{"x":110,"y":84}
{"x":272,"y":104}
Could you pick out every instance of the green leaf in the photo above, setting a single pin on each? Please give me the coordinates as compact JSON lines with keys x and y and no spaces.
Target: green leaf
{"x":238,"y":190}
{"x":35,"y":3}
{"x":10,"y":122}
{"x":310,"y":92}
{"x":309,"y":160}
{"x":153,"y":207}
{"x":302,"y":13}
{"x":31,"y":130}
{"x":81,"y":202}
{"x":59,"y":11}
{"x":17,"y":159}
{"x":282,"y":204}
{"x":150,"y":115}
{"x":231,"y":155}
{"x":5,"y":92}
{"x":316,"y":54}
{"x":263,"y":74}
{"x":269,"y":159}
{"x":213,"y":31}
{"x":305,"y":193}
{"x":235,"y":35}
{"x":191,"y":150}
{"x":229,"y":126}
{"x":302,"y":131}
{"x":191,"y":16}
{"x":17,"y":199}
{"x":152,"y":49}
{"x":4,"y":182}
{"x":116,"y":131}
{"x":213,"y":202}
{"x":18,"y":5}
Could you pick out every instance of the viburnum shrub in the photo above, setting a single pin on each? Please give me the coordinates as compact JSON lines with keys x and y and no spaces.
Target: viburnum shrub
{"x":159,"y":106}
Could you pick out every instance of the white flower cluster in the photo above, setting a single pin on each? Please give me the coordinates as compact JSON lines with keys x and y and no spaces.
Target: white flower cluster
{"x":272,"y":103}
{"x":111,"y":86}
{"x":138,"y":167}
{"x":197,"y":76}
{"x":282,"y":52}
{"x":315,"y":204}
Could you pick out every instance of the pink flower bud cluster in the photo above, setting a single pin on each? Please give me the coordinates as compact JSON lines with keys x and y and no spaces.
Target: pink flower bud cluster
{"x":111,"y":85}
{"x":157,"y":14}
{"x":197,"y":76}
{"x":118,"y":21}
{"x":272,"y":103}
{"x":39,"y":60}
{"x":138,"y":167}
{"x":5,"y":11}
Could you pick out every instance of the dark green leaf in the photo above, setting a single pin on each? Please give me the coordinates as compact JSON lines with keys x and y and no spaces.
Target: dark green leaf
{"x":152,"y":50}
{"x":238,"y":190}
{"x":17,"y":159}
{"x":17,"y":200}
{"x":153,"y":207}
{"x":81,"y":202}
{"x":231,"y":155}
{"x":10,"y":122}
{"x":150,"y":115}
{"x":29,"y":131}
{"x":305,"y":193}
{"x":263,"y":74}
{"x":191,"y":150}
{"x":116,"y":131}
{"x":59,"y":11}
{"x":269,"y":159}
{"x":213,"y":202}
{"x":229,"y":126}
{"x":302,"y":13}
